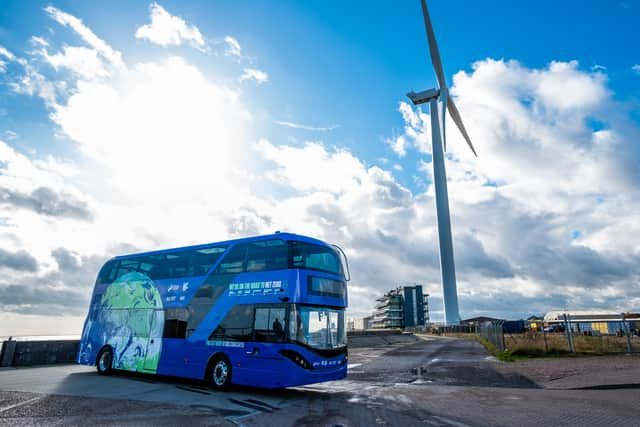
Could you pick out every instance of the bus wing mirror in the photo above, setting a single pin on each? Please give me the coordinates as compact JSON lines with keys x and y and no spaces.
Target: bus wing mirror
{"x":345,"y":262}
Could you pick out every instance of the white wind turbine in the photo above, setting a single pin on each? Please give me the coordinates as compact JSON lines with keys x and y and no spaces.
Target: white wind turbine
{"x":432,"y":96}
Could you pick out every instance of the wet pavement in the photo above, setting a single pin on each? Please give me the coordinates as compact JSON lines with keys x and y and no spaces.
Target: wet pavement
{"x":431,"y":381}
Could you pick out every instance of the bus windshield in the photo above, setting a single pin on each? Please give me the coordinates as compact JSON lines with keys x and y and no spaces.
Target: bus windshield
{"x":314,"y":257}
{"x":321,"y":328}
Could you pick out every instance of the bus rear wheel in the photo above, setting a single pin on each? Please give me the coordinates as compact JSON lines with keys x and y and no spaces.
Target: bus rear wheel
{"x":104,"y":361}
{"x":220,"y":373}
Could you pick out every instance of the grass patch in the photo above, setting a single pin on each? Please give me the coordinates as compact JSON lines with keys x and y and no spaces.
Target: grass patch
{"x":504,"y":356}
{"x":535,"y":344}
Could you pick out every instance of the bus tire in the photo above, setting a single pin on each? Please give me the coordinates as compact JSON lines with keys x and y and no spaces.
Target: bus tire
{"x":220,"y":373}
{"x":104,"y":361}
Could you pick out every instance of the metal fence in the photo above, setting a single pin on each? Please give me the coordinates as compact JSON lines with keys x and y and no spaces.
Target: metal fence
{"x":493,"y":333}
{"x":567,"y":339}
{"x":456,"y":329}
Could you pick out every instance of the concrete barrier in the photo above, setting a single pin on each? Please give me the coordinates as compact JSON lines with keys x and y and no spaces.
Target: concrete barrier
{"x":27,"y":353}
{"x":8,"y":349}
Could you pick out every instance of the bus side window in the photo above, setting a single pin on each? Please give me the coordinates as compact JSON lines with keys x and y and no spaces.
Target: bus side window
{"x":237,"y":325}
{"x":267,"y":255}
{"x":127,"y":266}
{"x":233,"y":262}
{"x":175,"y":324}
{"x":269,"y":324}
{"x":108,"y":272}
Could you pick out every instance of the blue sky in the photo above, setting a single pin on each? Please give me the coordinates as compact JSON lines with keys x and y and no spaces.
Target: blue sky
{"x":368,"y":53}
{"x":322,"y":85}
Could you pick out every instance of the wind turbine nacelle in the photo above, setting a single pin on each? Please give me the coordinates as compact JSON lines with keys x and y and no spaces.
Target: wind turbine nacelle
{"x":424,"y":96}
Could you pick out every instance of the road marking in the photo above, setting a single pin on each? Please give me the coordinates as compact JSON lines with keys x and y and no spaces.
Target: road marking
{"x":33,"y":399}
{"x":250,"y":405}
{"x":193,"y":389}
{"x":259,"y":402}
{"x":450,"y":422}
{"x":353,"y":365}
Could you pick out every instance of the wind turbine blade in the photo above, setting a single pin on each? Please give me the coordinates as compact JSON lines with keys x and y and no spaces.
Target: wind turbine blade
{"x":433,"y":47}
{"x":455,"y":115}
{"x":445,"y":97}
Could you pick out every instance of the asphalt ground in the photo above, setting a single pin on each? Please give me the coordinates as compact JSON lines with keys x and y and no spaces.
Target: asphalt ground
{"x":431,"y":381}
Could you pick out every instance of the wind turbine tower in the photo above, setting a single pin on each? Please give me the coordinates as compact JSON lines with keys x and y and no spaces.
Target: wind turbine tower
{"x":438,"y":141}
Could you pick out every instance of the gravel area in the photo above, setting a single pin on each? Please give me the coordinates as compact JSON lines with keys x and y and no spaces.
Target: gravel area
{"x":578,"y":372}
{"x":35,"y":409}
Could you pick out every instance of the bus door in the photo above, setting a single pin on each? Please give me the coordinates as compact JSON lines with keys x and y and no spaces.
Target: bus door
{"x":269,"y":330}
{"x":154,"y":342}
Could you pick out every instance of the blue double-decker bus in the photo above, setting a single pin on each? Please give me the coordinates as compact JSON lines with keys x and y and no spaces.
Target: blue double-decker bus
{"x":266,"y":311}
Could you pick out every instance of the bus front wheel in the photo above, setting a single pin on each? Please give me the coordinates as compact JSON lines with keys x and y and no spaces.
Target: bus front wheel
{"x":220,"y":373}
{"x":104,"y":361}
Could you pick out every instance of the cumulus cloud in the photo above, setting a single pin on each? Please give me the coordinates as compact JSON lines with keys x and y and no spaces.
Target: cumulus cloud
{"x":81,"y":60}
{"x":112,"y":56}
{"x":165,"y":119}
{"x":61,"y":291}
{"x":254,"y":74}
{"x":38,"y":186}
{"x":301,"y":168}
{"x":31,"y":82}
{"x":398,"y":145}
{"x":544,"y":171}
{"x":169,"y":30}
{"x":45,"y":201}
{"x":20,"y":260}
{"x":162,"y":145}
{"x":636,"y":68}
{"x":67,"y":260}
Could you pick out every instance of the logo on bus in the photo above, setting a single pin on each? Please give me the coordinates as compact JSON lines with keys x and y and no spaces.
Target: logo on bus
{"x":268,"y":287}
{"x":326,"y":363}
{"x":222,"y":343}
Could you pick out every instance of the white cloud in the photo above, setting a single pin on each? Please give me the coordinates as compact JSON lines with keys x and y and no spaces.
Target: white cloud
{"x":636,"y":68}
{"x":169,"y":30}
{"x":303,"y":168}
{"x":3,"y":66}
{"x":4,"y":52}
{"x":114,"y":57}
{"x":39,"y":41}
{"x":166,"y":115}
{"x":7,"y":54}
{"x":233,"y":46}
{"x":81,"y":60}
{"x":293,"y":125}
{"x":254,"y":74}
{"x":565,"y":87}
{"x":398,"y":145}
{"x":31,"y":82}
{"x":544,"y":172}
{"x":39,"y":200}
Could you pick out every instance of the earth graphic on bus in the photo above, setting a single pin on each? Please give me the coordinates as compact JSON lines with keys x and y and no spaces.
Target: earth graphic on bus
{"x":133,"y":320}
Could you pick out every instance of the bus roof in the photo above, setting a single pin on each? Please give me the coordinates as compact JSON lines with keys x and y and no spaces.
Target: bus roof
{"x":283,"y":236}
